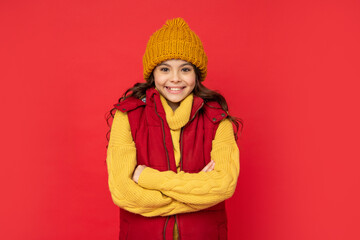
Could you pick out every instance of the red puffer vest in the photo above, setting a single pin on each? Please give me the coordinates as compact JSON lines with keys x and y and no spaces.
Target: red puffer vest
{"x":154,"y":148}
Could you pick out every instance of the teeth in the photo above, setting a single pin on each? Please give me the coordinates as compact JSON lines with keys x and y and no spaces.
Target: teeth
{"x":174,"y":89}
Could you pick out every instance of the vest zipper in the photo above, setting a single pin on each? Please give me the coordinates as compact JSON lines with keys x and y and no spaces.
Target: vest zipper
{"x":168,"y":161}
{"x":164,"y":232}
{"x":181,"y":144}
{"x":163,"y":130}
{"x":178,"y":228}
{"x":202,"y":104}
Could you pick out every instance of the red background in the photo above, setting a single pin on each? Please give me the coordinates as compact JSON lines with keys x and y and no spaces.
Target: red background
{"x":289,"y":69}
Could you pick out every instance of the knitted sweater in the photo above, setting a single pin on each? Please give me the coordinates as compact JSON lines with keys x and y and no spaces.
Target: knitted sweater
{"x":167,"y":193}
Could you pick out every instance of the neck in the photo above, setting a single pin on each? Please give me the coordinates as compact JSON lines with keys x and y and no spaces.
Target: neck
{"x":173,"y":105}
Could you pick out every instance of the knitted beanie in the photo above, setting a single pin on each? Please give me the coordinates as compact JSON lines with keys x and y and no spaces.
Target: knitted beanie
{"x":175,"y":40}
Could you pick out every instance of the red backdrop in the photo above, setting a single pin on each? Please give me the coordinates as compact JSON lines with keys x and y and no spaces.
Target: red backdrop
{"x":289,"y":69}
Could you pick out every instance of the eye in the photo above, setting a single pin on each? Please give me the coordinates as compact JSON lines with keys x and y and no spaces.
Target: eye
{"x":186,"y":69}
{"x":164,"y":69}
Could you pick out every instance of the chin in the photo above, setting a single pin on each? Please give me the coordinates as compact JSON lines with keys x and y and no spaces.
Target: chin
{"x":175,"y":100}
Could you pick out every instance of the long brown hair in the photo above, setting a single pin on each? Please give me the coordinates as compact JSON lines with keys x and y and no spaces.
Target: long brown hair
{"x":139,"y":91}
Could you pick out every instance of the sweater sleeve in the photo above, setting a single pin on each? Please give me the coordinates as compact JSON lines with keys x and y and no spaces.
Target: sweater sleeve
{"x":203,"y":187}
{"x":125,"y":193}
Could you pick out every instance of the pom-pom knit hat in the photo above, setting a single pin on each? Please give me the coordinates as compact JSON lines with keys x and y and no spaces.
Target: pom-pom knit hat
{"x":175,"y":40}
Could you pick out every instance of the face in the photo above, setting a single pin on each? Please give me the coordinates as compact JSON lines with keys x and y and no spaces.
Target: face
{"x":175,"y":80}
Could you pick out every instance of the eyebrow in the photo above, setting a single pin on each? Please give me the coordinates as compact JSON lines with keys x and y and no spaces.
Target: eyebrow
{"x":180,"y":65}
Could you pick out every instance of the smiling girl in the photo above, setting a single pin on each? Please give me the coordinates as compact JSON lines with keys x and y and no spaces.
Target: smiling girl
{"x":172,"y":156}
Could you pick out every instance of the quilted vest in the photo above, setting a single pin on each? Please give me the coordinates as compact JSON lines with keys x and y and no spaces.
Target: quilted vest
{"x":154,"y":148}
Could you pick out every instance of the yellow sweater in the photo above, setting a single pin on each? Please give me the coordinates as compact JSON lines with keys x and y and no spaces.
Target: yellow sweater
{"x":167,"y":193}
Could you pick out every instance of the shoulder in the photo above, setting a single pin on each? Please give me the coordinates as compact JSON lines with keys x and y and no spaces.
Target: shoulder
{"x":120,"y":119}
{"x":120,"y":133}
{"x":129,"y":104}
{"x":214,"y":111}
{"x":225,"y":132}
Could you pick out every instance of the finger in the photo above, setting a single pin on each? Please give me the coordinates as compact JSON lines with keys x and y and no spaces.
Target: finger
{"x":137,"y":172}
{"x":206,"y":168}
{"x":212,"y":166}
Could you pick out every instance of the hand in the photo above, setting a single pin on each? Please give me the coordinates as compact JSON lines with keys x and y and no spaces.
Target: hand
{"x":137,"y":172}
{"x":209,"y":167}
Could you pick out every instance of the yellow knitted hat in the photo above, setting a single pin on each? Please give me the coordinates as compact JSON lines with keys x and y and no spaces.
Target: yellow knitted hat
{"x":175,"y":40}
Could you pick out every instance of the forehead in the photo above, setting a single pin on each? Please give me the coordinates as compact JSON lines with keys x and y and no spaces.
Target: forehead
{"x":175,"y":62}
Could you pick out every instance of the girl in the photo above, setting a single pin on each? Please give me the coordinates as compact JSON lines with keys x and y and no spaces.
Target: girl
{"x":172,"y":156}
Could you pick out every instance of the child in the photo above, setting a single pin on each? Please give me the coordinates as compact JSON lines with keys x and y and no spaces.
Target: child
{"x":172,"y":156}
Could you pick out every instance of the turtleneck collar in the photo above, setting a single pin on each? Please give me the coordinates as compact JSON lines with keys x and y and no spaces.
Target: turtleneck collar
{"x":178,"y":118}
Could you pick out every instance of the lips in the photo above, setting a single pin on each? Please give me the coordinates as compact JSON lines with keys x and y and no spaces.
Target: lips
{"x":174,"y":89}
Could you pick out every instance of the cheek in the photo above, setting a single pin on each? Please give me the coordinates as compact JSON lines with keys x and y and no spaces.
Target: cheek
{"x":158,"y":81}
{"x":156,"y":84}
{"x":191,"y":82}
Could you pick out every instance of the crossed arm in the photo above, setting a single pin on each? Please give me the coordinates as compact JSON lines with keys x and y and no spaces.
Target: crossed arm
{"x":167,"y":193}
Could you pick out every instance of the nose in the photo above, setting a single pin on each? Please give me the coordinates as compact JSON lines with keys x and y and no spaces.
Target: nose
{"x":175,"y":77}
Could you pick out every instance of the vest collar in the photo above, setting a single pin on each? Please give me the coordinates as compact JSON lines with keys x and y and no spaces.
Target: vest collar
{"x":214,"y":111}
{"x":129,"y":104}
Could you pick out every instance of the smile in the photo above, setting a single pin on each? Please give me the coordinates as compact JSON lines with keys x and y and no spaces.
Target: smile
{"x":174,"y":89}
